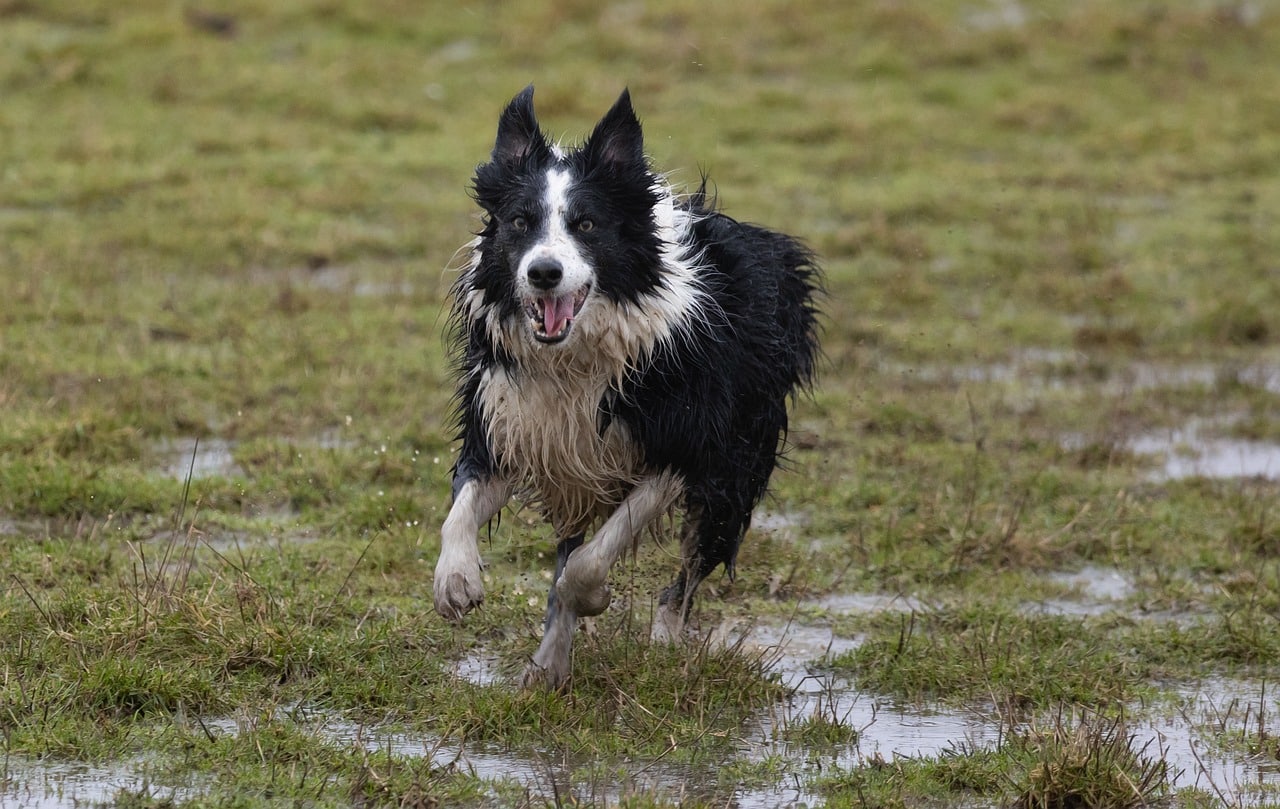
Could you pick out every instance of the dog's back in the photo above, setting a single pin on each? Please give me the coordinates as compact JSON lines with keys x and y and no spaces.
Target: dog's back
{"x":714,"y":407}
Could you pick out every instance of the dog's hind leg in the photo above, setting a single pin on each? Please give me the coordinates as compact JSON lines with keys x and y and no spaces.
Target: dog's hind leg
{"x":550,"y":666}
{"x":717,"y":515}
{"x":676,"y":600}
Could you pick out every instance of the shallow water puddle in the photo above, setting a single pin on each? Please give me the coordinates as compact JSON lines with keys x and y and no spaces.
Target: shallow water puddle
{"x":1097,"y":590}
{"x":353,"y":281}
{"x":997,"y":15}
{"x":481,"y":667}
{"x":885,"y":730}
{"x":1229,"y":709}
{"x":1062,"y":370}
{"x":796,"y":653}
{"x":1188,"y":452}
{"x":542,"y":774}
{"x":200,"y":458}
{"x":848,"y":603}
{"x":1040,"y":370}
{"x":57,"y":784}
{"x":215,"y":457}
{"x":778,"y":522}
{"x":1096,"y":582}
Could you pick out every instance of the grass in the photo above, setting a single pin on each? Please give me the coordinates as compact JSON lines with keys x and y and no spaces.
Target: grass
{"x":977,"y":653}
{"x":1048,"y":228}
{"x":1083,"y":760}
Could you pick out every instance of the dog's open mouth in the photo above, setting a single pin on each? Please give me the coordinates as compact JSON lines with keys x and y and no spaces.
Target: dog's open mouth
{"x":552,"y":317}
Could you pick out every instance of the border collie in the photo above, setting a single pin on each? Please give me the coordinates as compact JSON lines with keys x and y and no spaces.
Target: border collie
{"x":623,"y":353}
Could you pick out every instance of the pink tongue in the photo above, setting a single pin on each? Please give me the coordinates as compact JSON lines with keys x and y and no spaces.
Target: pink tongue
{"x":555,"y":313}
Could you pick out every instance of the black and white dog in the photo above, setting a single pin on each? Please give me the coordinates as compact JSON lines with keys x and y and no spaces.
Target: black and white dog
{"x":623,"y":352}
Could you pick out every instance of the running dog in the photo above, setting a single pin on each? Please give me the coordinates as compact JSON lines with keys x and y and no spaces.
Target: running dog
{"x":622,"y":352}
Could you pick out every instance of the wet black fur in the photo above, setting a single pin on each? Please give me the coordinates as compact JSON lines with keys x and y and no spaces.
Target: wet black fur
{"x":710,"y":405}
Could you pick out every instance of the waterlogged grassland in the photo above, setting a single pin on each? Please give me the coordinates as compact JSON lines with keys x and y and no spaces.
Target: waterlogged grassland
{"x":1050,"y":232}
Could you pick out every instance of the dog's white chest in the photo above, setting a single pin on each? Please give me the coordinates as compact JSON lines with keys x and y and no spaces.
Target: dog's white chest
{"x":547,"y":438}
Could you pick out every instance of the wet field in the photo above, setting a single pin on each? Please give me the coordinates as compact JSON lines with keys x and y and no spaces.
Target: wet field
{"x":1025,"y":539}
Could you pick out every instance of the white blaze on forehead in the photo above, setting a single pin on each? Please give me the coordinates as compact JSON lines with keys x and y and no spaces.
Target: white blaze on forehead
{"x":558,"y":181}
{"x":555,"y":243}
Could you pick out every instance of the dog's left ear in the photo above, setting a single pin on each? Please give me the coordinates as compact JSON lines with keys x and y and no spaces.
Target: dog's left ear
{"x":617,"y":139}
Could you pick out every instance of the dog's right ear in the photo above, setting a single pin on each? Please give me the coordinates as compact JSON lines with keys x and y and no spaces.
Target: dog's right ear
{"x":518,"y":134}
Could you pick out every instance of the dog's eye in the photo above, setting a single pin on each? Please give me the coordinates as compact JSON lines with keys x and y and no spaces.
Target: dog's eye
{"x":586,"y":225}
{"x":520,"y":224}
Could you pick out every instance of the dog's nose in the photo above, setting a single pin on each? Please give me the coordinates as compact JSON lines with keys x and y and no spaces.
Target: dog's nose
{"x":545,"y":274}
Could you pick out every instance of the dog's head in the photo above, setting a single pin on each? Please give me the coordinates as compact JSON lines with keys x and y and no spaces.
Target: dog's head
{"x":569,"y":234}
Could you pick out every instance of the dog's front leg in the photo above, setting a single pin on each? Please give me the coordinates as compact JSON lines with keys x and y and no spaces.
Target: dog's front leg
{"x":458,"y":585}
{"x":583,"y":587}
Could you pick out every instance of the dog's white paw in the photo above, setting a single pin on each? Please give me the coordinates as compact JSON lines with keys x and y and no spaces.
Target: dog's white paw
{"x":458,"y":586}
